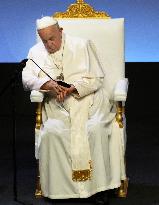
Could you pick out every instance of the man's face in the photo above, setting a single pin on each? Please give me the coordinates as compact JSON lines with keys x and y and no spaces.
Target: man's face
{"x":51,"y":37}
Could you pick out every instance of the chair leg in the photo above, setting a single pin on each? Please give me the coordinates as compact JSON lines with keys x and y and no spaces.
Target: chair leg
{"x":123,"y":189}
{"x":38,"y":191}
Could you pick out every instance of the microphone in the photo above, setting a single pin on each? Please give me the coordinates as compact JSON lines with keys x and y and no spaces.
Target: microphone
{"x":19,"y":68}
{"x":22,"y":64}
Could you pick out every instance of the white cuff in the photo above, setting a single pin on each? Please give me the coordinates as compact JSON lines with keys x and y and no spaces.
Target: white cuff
{"x":40,"y":82}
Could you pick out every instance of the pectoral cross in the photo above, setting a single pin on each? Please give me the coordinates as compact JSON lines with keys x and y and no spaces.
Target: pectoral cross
{"x":60,"y":77}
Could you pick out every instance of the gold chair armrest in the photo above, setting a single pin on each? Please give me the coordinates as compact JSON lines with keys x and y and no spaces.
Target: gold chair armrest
{"x":119,"y":114}
{"x":38,"y":115}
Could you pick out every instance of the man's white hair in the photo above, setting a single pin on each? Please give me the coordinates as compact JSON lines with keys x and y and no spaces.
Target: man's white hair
{"x":45,"y":22}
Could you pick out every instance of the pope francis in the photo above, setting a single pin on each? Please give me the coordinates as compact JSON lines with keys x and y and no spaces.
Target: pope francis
{"x":74,"y":156}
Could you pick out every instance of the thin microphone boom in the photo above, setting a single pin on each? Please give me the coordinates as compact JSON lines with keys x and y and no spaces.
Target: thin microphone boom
{"x":59,"y":82}
{"x":41,"y":69}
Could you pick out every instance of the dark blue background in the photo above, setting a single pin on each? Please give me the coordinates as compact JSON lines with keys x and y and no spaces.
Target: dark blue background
{"x":17,"y":25}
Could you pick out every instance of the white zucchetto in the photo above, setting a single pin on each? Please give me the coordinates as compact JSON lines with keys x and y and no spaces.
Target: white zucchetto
{"x":45,"y":22}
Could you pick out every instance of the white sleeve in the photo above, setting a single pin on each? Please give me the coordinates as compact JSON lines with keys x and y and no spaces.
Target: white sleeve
{"x":86,"y":86}
{"x":30,"y":78}
{"x":92,"y":80}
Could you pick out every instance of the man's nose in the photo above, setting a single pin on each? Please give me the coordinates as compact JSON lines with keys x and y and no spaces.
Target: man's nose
{"x":49,"y":44}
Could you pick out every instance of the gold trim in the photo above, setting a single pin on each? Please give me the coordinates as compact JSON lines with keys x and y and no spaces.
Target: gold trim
{"x":120,"y":111}
{"x":80,"y":9}
{"x":82,"y":175}
{"x":123,"y":189}
{"x":38,"y":191}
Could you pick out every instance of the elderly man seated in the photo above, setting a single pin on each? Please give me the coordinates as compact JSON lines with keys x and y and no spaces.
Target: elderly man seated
{"x":74,"y":158}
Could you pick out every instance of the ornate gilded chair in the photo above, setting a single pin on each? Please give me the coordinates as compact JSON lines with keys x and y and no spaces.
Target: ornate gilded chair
{"x":107,"y":35}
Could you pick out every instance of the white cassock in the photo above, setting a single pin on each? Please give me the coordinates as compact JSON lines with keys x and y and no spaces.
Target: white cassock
{"x":77,"y":131}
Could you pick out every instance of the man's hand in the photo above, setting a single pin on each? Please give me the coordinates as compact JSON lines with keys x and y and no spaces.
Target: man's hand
{"x":52,"y":86}
{"x":60,"y":92}
{"x":65,"y":92}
